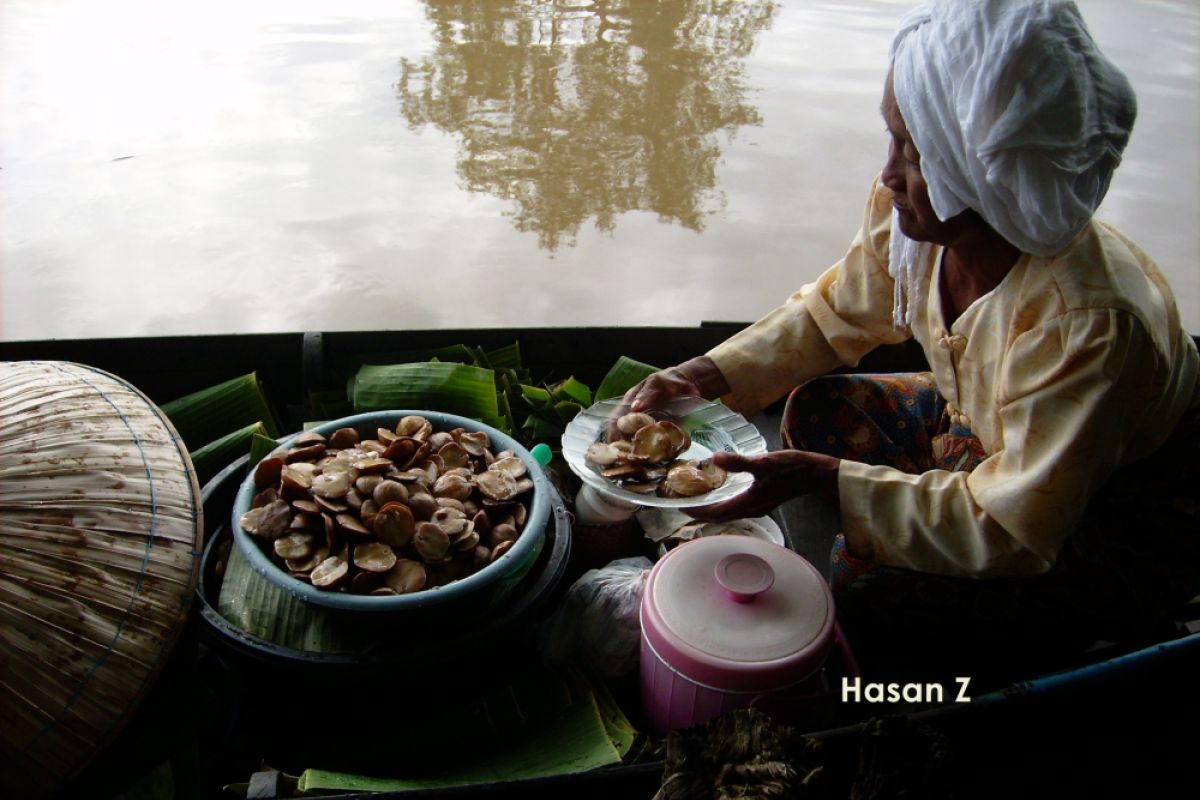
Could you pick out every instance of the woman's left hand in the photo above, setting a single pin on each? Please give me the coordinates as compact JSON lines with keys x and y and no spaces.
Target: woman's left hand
{"x":778,"y":476}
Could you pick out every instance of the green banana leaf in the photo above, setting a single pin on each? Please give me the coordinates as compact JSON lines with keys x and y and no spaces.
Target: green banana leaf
{"x":623,"y":376}
{"x":435,"y":386}
{"x":209,"y":414}
{"x":565,"y":731}
{"x":212,"y":457}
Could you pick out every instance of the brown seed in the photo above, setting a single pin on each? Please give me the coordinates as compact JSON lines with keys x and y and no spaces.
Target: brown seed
{"x":415,"y":426}
{"x":452,"y":503}
{"x":474,"y":442}
{"x":305,"y":506}
{"x":308,"y":439}
{"x":344,"y":438}
{"x":389,"y":492}
{"x":296,"y":477}
{"x":503,"y":532}
{"x":366,"y":484}
{"x":366,"y":582}
{"x":251,"y":518}
{"x":332,"y":506}
{"x":453,"y":455}
{"x":304,"y":453}
{"x":332,"y":485}
{"x":352,"y":525}
{"x":454,"y":527}
{"x":394,"y":524}
{"x":267,"y":473}
{"x":433,"y":467}
{"x":512,"y":465}
{"x":264,"y":498}
{"x":402,"y":449}
{"x":423,"y":505}
{"x":430,"y":541}
{"x":368,"y":511}
{"x":496,"y":485}
{"x":466,"y":542}
{"x":330,"y":572}
{"x":406,"y":576}
{"x":481,"y":558}
{"x":482,"y":522}
{"x":294,"y":546}
{"x":374,"y":557}
{"x":331,"y":535}
{"x":500,"y":550}
{"x":374,"y":465}
{"x":274,"y":520}
{"x":455,"y":486}
{"x":307,"y":565}
{"x":439,"y":440}
{"x":630,"y":424}
{"x":305,"y":522}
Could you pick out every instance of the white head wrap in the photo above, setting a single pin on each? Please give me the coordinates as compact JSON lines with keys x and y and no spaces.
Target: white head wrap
{"x":1015,"y":112}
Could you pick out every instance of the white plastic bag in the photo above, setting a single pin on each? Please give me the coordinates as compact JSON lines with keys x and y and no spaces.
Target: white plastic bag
{"x":597,"y":620}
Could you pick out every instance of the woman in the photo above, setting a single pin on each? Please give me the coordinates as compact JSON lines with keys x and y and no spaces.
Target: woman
{"x":1032,"y":491}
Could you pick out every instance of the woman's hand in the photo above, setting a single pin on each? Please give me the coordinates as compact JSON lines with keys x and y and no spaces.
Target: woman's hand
{"x":698,"y":376}
{"x":778,"y":476}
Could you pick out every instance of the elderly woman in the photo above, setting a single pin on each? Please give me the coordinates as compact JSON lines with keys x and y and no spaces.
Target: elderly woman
{"x":1034,"y":490}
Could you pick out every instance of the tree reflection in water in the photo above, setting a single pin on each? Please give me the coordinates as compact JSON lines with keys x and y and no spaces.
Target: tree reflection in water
{"x":587,"y":109}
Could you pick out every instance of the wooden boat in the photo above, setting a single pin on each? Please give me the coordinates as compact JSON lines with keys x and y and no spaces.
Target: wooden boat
{"x":1121,"y":716}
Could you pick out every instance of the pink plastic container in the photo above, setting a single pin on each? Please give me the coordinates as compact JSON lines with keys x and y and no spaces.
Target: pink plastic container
{"x":728,"y":622}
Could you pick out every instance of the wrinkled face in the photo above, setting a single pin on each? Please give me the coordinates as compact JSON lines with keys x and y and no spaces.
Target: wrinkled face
{"x":902,"y":174}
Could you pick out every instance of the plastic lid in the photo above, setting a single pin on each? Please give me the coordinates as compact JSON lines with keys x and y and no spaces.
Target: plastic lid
{"x":738,"y":613}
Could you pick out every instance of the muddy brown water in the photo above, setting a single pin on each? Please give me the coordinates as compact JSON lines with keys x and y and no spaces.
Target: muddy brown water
{"x":187,"y":168}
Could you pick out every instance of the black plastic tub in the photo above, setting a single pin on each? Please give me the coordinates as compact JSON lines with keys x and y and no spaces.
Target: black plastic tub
{"x":395,"y":647}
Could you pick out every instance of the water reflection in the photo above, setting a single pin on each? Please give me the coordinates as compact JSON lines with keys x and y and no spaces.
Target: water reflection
{"x":578,"y":110}
{"x":304,"y":165}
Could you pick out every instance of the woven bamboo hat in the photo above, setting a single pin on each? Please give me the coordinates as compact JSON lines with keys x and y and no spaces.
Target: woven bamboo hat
{"x":100,"y":535}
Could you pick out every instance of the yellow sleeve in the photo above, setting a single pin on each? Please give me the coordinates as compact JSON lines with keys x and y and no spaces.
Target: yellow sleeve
{"x":1070,"y":391}
{"x":832,"y":322}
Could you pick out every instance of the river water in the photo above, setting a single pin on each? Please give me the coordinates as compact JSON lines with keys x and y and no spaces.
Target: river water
{"x":173,"y":167}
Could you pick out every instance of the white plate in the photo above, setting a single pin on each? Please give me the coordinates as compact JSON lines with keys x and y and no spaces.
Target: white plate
{"x":712,"y":426}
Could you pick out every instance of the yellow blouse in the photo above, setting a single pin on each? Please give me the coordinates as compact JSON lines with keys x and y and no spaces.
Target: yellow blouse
{"x":1073,"y":366}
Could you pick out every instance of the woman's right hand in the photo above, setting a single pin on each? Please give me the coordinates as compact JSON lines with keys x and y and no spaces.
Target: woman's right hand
{"x":698,"y":376}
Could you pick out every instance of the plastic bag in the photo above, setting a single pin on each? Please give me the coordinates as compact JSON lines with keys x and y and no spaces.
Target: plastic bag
{"x":597,"y":620}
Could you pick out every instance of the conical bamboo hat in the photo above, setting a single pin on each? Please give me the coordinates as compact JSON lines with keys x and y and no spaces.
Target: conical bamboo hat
{"x":100,"y":536}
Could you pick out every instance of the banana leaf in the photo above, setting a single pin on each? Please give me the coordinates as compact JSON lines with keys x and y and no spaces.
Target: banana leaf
{"x":211,"y":413}
{"x":536,"y":396}
{"x":506,"y":357}
{"x":328,"y":405}
{"x":260,"y":447}
{"x":258,"y":607}
{"x":573,"y":390}
{"x":537,"y":429}
{"x":565,"y":732}
{"x":436,"y":386}
{"x":214,"y":456}
{"x":624,"y":375}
